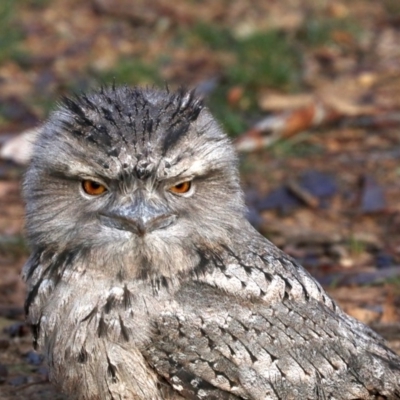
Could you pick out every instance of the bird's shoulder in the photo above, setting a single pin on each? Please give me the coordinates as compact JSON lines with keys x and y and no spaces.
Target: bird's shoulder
{"x":256,"y":325}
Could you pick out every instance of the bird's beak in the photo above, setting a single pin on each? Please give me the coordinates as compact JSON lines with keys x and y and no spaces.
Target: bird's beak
{"x":139,"y":218}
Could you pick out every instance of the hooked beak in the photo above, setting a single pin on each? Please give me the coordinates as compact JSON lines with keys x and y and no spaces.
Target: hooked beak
{"x":139,"y":219}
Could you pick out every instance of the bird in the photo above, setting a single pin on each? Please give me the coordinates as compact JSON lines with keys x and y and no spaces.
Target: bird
{"x":146,"y":281}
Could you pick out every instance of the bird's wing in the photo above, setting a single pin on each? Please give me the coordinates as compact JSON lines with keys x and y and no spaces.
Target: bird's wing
{"x":220,"y":344}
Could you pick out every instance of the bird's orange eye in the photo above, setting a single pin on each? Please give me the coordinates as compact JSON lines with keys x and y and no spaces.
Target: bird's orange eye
{"x":181,"y":188}
{"x":93,"y":188}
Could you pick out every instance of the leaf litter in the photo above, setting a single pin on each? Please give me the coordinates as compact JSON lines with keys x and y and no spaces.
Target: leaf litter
{"x":309,"y":91}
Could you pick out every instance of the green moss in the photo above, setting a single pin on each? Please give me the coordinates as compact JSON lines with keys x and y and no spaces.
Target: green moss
{"x":356,"y":246}
{"x":10,"y":32}
{"x":131,"y":72}
{"x":265,"y":59}
{"x":318,"y":31}
{"x":35,"y":3}
{"x":298,"y":146}
{"x":262,"y":59}
{"x":214,"y":37}
{"x":231,"y":119}
{"x":13,"y":246}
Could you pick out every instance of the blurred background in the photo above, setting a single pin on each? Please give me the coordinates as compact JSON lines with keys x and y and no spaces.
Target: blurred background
{"x":309,"y":90}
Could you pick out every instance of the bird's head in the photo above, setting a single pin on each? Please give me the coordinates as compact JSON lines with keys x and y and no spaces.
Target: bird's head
{"x":143,"y":180}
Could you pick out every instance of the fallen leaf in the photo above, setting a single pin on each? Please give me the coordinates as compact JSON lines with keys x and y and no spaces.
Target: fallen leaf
{"x":363,"y":314}
{"x":390,"y":313}
{"x":19,"y":149}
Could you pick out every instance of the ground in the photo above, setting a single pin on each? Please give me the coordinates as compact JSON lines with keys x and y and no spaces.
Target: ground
{"x":309,"y":92}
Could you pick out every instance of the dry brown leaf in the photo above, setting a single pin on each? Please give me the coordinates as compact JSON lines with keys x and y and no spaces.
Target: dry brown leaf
{"x":390,"y":313}
{"x":19,"y":148}
{"x":8,"y":187}
{"x":362,"y":314}
{"x":285,"y":125}
{"x":345,"y":96}
{"x":338,"y":10}
{"x":278,"y":102}
{"x":235,"y":94}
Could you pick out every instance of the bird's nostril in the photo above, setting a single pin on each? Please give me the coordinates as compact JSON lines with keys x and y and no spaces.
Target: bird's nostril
{"x":160,"y":222}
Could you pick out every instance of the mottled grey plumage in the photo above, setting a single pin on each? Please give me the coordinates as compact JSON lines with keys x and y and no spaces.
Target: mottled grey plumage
{"x":141,"y":293}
